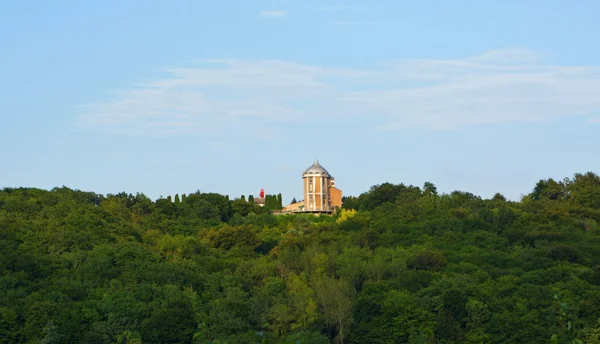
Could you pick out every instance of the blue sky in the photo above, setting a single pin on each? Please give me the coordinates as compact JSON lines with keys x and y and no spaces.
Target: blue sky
{"x":167,"y":97}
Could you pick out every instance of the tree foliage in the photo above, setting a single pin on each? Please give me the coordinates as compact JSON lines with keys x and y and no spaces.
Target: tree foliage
{"x":398,"y":264}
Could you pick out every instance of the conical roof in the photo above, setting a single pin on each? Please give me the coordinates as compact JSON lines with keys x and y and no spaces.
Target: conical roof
{"x":316,"y":170}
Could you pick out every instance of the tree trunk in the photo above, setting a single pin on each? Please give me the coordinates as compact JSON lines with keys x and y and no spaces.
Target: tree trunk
{"x":341,"y":332}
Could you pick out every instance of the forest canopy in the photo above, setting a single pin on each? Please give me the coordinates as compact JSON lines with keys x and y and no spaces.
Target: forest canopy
{"x":397,"y":264}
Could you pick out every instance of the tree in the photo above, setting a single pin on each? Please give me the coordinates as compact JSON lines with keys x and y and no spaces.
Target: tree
{"x":429,"y":189}
{"x":584,"y":190}
{"x":567,"y":333}
{"x":428,"y":260}
{"x":351,"y":202}
{"x":174,"y":323}
{"x":498,"y":197}
{"x":397,"y":264}
{"x":550,"y":190}
{"x":335,"y":299}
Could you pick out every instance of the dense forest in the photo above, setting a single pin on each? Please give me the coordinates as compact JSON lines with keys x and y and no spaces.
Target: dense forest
{"x":398,"y":264}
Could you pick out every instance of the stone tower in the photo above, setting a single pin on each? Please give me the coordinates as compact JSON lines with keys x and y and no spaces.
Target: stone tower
{"x":317,"y":183}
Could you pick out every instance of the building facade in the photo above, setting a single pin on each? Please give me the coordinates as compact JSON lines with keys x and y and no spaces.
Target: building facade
{"x":320,"y":193}
{"x":316,"y":188}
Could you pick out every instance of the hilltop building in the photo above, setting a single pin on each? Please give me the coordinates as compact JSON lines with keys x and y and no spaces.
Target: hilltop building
{"x":260,"y":200}
{"x":320,"y":193}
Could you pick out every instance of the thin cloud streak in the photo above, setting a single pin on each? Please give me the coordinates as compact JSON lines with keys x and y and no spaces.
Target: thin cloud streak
{"x":355,"y":22}
{"x":244,"y":97}
{"x":272,"y":13}
{"x":333,"y":8}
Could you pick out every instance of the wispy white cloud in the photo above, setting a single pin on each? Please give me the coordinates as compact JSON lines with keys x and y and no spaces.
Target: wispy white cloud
{"x":332,"y":8}
{"x":272,"y":13}
{"x":355,"y":22}
{"x":225,"y":96}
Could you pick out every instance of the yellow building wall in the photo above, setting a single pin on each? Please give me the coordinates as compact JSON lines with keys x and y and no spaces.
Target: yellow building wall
{"x":322,"y":196}
{"x":294,"y":206}
{"x":335,"y":195}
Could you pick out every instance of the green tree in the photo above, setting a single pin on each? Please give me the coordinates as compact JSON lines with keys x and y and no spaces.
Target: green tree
{"x":174,"y":323}
{"x":550,"y":190}
{"x":429,"y":189}
{"x":567,"y":332}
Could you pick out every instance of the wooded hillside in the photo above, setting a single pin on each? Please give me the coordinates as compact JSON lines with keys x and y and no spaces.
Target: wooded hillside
{"x":399,"y":264}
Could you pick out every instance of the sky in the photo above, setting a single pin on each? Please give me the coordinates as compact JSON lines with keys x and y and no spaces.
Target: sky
{"x":167,"y":97}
